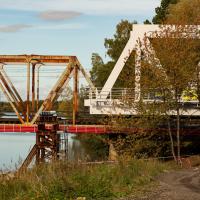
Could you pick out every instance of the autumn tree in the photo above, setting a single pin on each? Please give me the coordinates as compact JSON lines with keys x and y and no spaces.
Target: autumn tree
{"x":174,"y":71}
{"x":186,"y":12}
{"x":162,"y":11}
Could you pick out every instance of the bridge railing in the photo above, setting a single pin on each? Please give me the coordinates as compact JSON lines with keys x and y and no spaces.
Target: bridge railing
{"x":114,"y":93}
{"x":128,"y":94}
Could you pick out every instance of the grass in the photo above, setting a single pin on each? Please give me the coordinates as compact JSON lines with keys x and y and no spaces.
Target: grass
{"x":61,"y":180}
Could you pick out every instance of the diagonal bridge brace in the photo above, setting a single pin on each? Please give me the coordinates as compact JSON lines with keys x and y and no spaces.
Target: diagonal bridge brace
{"x":11,"y":94}
{"x":22,"y":108}
{"x":53,"y":95}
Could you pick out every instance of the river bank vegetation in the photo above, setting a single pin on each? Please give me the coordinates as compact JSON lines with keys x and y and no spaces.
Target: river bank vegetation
{"x":169,"y":74}
{"x":65,"y":181}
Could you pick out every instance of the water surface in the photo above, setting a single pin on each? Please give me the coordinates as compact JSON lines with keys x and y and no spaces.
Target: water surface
{"x":14,"y":147}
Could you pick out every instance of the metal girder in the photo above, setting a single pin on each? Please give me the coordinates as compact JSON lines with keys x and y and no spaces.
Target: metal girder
{"x":11,"y":84}
{"x":11,"y":93}
{"x":8,"y":89}
{"x":33,"y":88}
{"x":28,"y":159}
{"x":28,"y":110}
{"x":63,"y":88}
{"x":136,"y":36}
{"x":11,"y":103}
{"x":55,"y":93}
{"x":55,"y":90}
{"x":28,"y":93}
{"x":22,"y":59}
{"x":87,"y":77}
{"x":75,"y":94}
{"x":138,"y":55}
{"x":38,"y":87}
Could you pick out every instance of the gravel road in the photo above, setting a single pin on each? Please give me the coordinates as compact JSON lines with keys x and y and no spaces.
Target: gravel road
{"x":178,"y":185}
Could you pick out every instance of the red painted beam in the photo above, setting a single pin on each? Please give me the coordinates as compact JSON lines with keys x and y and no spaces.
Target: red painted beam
{"x":84,"y":129}
{"x":78,"y":129}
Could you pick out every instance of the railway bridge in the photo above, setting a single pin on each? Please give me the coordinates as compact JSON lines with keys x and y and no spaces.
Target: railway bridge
{"x":105,"y":101}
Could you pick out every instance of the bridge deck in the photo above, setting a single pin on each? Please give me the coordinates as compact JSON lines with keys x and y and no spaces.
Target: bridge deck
{"x":90,"y":129}
{"x":96,"y":129}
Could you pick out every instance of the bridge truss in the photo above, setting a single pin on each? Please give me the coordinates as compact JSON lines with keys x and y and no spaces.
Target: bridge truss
{"x":102,"y":101}
{"x":29,"y":110}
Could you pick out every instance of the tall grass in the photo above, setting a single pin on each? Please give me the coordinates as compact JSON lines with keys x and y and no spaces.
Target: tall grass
{"x":61,"y":180}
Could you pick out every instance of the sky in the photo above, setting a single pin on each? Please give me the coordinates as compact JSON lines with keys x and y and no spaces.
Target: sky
{"x":66,"y":27}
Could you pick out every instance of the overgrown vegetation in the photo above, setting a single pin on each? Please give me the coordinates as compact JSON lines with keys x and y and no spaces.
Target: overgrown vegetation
{"x":60,"y":181}
{"x":155,"y":132}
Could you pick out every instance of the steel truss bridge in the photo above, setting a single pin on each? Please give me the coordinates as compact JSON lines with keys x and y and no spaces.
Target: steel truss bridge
{"x":99,"y":101}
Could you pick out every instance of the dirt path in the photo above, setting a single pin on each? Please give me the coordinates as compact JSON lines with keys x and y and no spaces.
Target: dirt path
{"x":179,"y":185}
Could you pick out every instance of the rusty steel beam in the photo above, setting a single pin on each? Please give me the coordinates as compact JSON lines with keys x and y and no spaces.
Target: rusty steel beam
{"x":47,"y":142}
{"x":56,"y":91}
{"x":17,"y":98}
{"x":11,"y":103}
{"x":75,"y":95}
{"x":33,"y":88}
{"x":22,"y":59}
{"x":11,"y":84}
{"x":14,"y":99}
{"x":87,"y":77}
{"x":60,"y":91}
{"x":28,"y":159}
{"x":28,"y":92}
{"x":33,"y":60}
{"x":38,"y":86}
{"x":48,"y":102}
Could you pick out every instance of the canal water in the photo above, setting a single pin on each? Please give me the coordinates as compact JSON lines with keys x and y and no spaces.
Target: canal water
{"x":14,"y":147}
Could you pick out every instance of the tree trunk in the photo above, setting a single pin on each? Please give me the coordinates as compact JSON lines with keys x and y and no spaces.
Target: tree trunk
{"x":178,"y":127}
{"x":198,"y":81}
{"x":172,"y":141}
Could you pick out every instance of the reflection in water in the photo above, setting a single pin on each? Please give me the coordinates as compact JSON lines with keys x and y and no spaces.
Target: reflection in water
{"x":76,"y":151}
{"x":14,"y":147}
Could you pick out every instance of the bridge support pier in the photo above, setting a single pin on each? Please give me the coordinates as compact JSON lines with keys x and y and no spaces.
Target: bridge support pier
{"x":47,"y":142}
{"x":113,"y":156}
{"x":47,"y":145}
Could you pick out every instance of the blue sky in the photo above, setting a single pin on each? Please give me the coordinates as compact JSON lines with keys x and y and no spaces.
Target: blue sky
{"x":64,"y":27}
{"x":67,"y":27}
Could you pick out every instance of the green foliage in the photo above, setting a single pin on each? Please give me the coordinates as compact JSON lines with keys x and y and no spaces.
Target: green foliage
{"x":5,"y":107}
{"x":146,"y":22}
{"x":162,"y":11}
{"x":96,"y":146}
{"x":64,"y":181}
{"x":114,"y":46}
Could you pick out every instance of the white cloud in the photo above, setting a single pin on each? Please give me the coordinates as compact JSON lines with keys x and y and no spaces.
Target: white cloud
{"x":18,"y":27}
{"x":116,"y":7}
{"x":58,"y":15}
{"x":14,"y":28}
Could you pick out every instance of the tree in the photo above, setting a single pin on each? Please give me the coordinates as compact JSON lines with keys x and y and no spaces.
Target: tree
{"x":162,"y":11}
{"x":179,"y":61}
{"x":184,"y":12}
{"x":114,"y":46}
{"x":97,"y":68}
{"x":187,"y":12}
{"x":175,"y":74}
{"x":146,"y":22}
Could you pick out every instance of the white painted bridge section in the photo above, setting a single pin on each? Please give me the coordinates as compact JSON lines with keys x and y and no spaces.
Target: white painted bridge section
{"x":103,"y":103}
